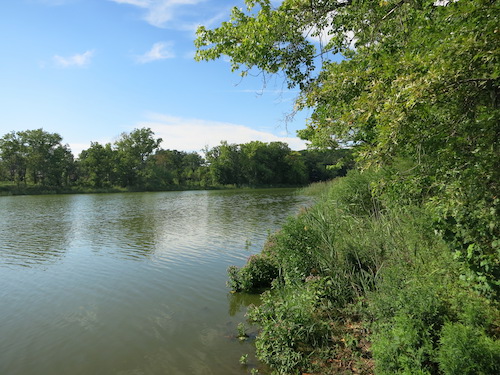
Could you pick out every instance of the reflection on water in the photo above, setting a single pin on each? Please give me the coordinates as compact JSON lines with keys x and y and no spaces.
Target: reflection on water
{"x":239,"y":302}
{"x":34,"y":234}
{"x":128,"y":283}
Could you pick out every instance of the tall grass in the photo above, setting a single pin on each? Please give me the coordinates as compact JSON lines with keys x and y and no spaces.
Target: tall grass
{"x":354,"y":256}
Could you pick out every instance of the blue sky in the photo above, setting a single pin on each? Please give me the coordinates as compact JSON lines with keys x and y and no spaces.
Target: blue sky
{"x":92,"y":69}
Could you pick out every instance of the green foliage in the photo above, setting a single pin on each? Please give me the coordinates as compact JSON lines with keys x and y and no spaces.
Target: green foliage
{"x":465,"y":349}
{"x":323,"y":240}
{"x":404,"y":341}
{"x":224,"y":161}
{"x":418,"y":81}
{"x":13,"y":156}
{"x":293,"y":247}
{"x":36,"y":156}
{"x":326,"y":164}
{"x":242,"y":333}
{"x":418,"y":293}
{"x":257,"y":274}
{"x":133,"y":152}
{"x":356,"y":252}
{"x":176,"y":168}
{"x":268,"y":39}
{"x":136,"y":162}
{"x":97,"y":165}
{"x":404,"y":348}
{"x":244,"y":359}
{"x":258,"y":164}
{"x":292,"y":329}
{"x":354,"y":194}
{"x":416,"y":95}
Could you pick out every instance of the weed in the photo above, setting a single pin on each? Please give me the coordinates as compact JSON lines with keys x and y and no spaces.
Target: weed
{"x":242,"y":332}
{"x":244,"y":359}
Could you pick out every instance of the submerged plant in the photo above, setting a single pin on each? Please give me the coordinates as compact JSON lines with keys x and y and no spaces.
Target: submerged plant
{"x":244,"y":359}
{"x":242,"y":334}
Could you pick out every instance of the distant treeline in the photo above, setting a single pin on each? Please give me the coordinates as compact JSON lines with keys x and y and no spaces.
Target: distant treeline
{"x":36,"y":158}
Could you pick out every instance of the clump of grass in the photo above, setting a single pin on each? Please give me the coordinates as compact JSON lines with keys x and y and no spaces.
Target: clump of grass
{"x":316,"y":189}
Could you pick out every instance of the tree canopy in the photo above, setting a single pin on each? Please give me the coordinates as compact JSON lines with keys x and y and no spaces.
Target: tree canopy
{"x":37,"y":161}
{"x":417,"y":80}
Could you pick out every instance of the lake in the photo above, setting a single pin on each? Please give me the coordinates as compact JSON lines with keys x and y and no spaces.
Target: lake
{"x":129,"y":283}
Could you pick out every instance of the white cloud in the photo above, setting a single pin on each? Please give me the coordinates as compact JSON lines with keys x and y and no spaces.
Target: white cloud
{"x":77,"y":148}
{"x":78,"y":60}
{"x":159,"y":51}
{"x":185,"y":134}
{"x":159,"y":12}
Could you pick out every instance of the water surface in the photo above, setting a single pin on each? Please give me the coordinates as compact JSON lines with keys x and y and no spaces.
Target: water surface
{"x":129,"y":283}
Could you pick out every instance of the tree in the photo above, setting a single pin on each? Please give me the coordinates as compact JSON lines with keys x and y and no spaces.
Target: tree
{"x":97,"y":165}
{"x":134,"y":150}
{"x":176,"y":168}
{"x":256,"y":168}
{"x":296,"y":170}
{"x":224,"y":163}
{"x":419,"y":80}
{"x":193,"y":165}
{"x":13,"y":157}
{"x":48,"y":161}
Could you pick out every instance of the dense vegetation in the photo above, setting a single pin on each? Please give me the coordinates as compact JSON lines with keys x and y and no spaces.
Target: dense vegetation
{"x":35,"y":161}
{"x":396,"y":268}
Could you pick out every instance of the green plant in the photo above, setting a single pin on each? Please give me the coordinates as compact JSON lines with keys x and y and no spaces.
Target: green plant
{"x":292,"y":326}
{"x":355,"y":193}
{"x":258,"y":273}
{"x":467,"y":350}
{"x":293,"y":248}
{"x":244,"y":359}
{"x":242,"y":334}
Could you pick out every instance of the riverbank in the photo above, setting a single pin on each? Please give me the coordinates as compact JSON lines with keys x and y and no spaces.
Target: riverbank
{"x":363,"y":283}
{"x":13,"y":189}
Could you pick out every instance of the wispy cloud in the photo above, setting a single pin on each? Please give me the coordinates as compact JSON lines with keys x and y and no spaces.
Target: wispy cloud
{"x":187,"y":134}
{"x":159,"y":12}
{"x":139,"y":3}
{"x":159,"y":51}
{"x":77,"y":60}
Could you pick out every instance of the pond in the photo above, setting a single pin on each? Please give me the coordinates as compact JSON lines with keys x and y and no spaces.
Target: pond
{"x":129,"y":283}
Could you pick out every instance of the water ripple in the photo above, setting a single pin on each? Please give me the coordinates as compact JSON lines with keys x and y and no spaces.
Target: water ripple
{"x":127,"y":283}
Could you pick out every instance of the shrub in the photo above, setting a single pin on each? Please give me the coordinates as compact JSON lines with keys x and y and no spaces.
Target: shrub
{"x":404,"y":345}
{"x":467,"y":350}
{"x":405,"y":341}
{"x":292,"y":326}
{"x":294,"y":246}
{"x":258,"y":273}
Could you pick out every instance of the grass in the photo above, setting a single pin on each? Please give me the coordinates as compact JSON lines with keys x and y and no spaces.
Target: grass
{"x":365,"y":285}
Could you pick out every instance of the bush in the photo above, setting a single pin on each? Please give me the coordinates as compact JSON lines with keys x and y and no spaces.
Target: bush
{"x":292,"y":326}
{"x":419,"y":296}
{"x":294,"y":248}
{"x":467,"y":350}
{"x":258,"y":273}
